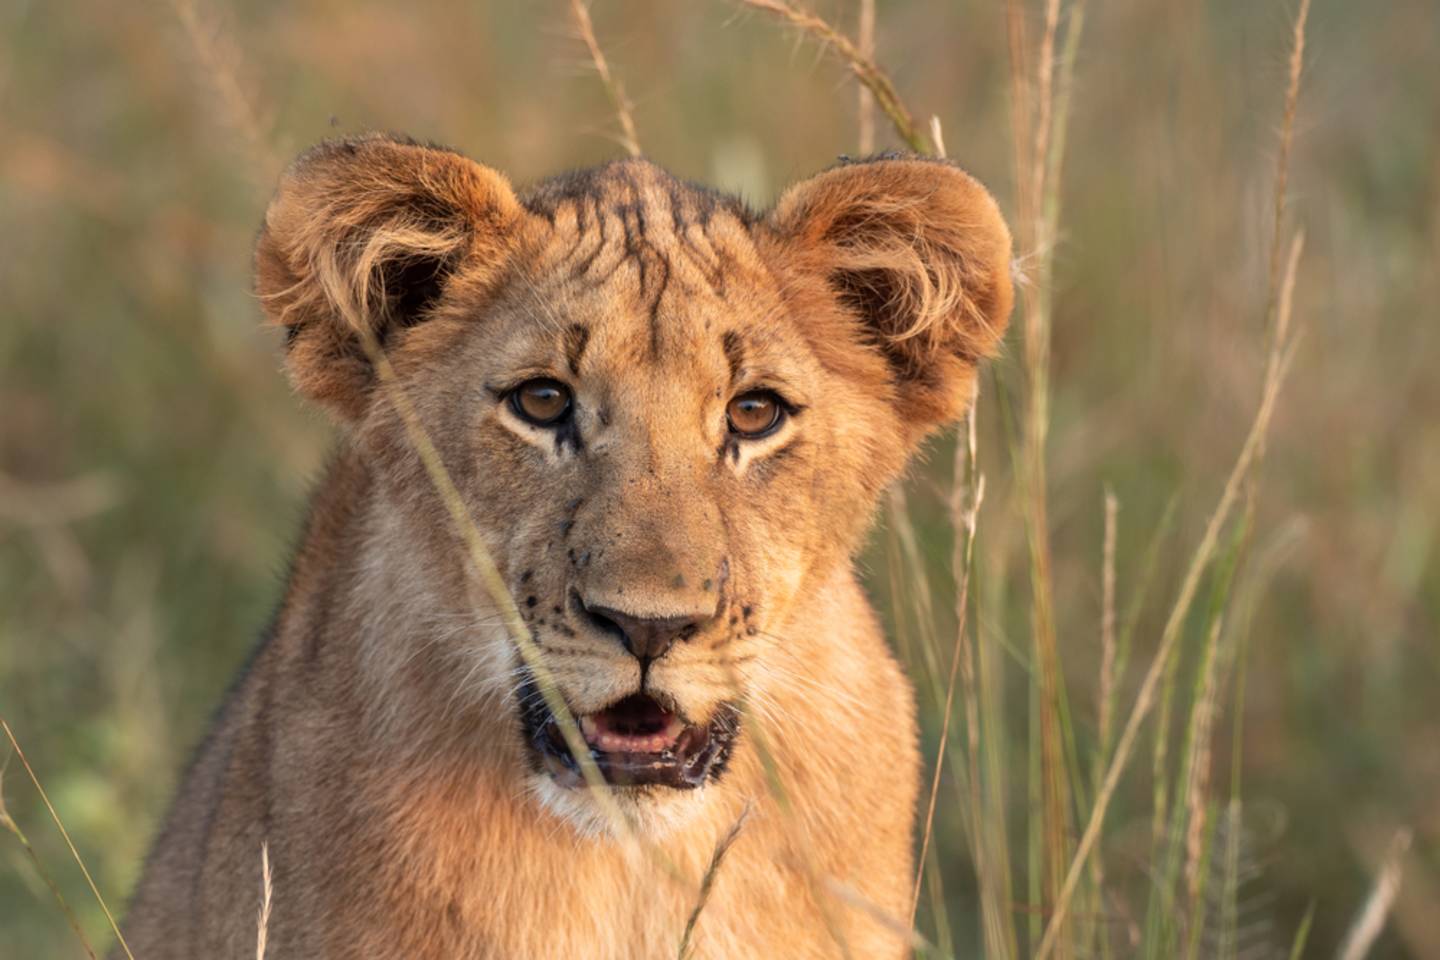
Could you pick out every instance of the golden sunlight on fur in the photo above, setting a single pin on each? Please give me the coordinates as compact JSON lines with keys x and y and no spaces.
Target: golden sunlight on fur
{"x":671,"y":418}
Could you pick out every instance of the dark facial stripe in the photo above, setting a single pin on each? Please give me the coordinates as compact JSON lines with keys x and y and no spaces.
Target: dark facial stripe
{"x":677,"y":210}
{"x":577,"y":337}
{"x":583,"y":267}
{"x":734,"y":353}
{"x":708,"y":265}
{"x":654,"y":296}
{"x":652,"y":264}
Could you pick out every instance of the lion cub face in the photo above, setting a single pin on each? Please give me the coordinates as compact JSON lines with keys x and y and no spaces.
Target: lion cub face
{"x":670,"y":417}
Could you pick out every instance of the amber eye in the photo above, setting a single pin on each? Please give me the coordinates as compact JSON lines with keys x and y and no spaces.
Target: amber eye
{"x":543,"y":402}
{"x":756,"y":414}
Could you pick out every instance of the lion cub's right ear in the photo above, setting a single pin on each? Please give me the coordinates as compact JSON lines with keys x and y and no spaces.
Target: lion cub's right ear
{"x":369,"y":233}
{"x":917,"y":252}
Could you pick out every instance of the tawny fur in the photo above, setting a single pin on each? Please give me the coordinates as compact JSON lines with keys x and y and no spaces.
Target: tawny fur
{"x":374,"y":741}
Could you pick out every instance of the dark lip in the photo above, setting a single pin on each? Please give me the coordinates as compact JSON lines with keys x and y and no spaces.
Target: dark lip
{"x":699,"y":755}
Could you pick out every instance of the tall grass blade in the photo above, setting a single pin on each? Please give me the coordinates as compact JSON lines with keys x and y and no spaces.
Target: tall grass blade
{"x":1302,"y":934}
{"x":865,"y":69}
{"x":629,"y":138}
{"x":1367,"y":926}
{"x":75,"y":854}
{"x":8,"y":822}
{"x":267,"y":898}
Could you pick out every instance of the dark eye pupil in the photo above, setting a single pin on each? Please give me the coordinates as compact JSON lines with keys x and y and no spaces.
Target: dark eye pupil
{"x":542,"y":402}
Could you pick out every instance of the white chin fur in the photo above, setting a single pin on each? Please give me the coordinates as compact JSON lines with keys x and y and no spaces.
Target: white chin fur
{"x":654,"y":812}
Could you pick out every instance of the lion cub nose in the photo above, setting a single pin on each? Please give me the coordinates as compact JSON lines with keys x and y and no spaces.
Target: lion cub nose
{"x":647,"y":638}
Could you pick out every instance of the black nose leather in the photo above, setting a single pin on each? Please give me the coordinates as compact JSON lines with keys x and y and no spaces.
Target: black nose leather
{"x":647,"y":638}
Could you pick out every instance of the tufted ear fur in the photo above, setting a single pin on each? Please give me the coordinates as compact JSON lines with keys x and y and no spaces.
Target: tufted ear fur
{"x":369,"y":233}
{"x":917,"y":250}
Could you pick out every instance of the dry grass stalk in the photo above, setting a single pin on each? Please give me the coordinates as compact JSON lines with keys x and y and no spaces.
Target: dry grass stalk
{"x":1287,"y":299}
{"x":267,"y":892}
{"x":991,"y":876}
{"x":1198,"y":763}
{"x":1038,"y":175}
{"x":1280,"y":199}
{"x":865,"y":100}
{"x":45,"y":798}
{"x":876,"y":80}
{"x":708,"y":881}
{"x":629,"y":139}
{"x":218,"y":63}
{"x":965,"y":517}
{"x":1160,"y":756}
{"x":1018,"y":51}
{"x":1287,"y":138}
{"x":1055,"y":142}
{"x":8,"y":822}
{"x":1106,"y":718}
{"x":1367,"y":926}
{"x":1045,"y":90}
{"x":937,"y":136}
{"x":918,"y":568}
{"x":1107,"y":684}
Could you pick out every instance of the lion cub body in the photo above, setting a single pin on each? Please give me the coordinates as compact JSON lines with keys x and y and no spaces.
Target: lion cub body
{"x":375,"y":745}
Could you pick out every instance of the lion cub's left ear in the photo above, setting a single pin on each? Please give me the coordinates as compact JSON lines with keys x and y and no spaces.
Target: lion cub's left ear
{"x":370,"y":233}
{"x":917,"y":251}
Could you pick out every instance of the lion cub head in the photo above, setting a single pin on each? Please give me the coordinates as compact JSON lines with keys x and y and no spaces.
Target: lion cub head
{"x":670,"y":417}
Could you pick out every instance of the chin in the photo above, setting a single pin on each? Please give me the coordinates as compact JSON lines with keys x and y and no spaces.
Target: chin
{"x":650,"y":812}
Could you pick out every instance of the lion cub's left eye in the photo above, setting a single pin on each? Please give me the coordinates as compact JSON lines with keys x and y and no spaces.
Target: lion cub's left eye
{"x":756,"y":414}
{"x":543,"y":402}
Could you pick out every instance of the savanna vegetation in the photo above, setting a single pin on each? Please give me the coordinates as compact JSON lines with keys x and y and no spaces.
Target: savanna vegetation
{"x":1171,"y":600}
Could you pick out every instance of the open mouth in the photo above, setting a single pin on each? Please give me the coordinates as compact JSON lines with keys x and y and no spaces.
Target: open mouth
{"x":634,"y":742}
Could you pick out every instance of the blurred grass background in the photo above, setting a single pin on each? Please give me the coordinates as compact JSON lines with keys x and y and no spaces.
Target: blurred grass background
{"x":153,"y":465}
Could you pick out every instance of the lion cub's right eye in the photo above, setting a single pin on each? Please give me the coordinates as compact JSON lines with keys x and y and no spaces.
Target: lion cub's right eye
{"x":543,"y":402}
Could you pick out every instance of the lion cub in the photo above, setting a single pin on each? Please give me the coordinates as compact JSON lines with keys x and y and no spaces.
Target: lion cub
{"x":670,"y":417}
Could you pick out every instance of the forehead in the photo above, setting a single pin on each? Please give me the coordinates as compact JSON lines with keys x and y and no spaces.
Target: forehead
{"x":633,"y":265}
